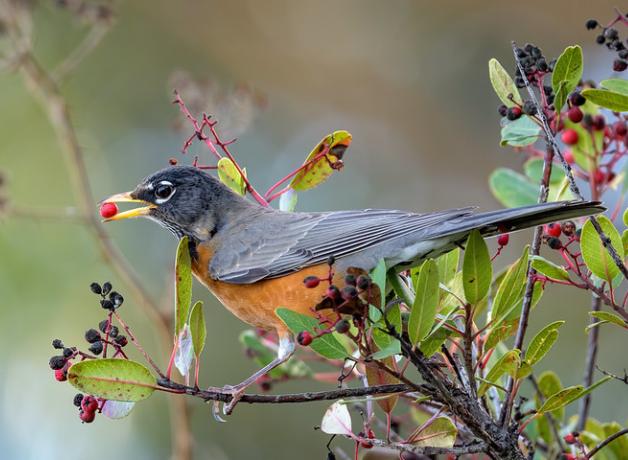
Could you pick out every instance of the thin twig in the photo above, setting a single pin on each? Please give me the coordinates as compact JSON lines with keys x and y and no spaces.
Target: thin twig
{"x":592,"y":347}
{"x":606,"y":442}
{"x":84,"y":49}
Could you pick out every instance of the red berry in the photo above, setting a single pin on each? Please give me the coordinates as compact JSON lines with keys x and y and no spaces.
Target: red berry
{"x":332,"y":292}
{"x":570,"y":457}
{"x":61,"y":375}
{"x":553,"y":229}
{"x":173,"y":161}
{"x":108,"y":210}
{"x":570,"y":438}
{"x":87,"y":416}
{"x":569,"y":137}
{"x":503,"y":239}
{"x":304,"y":338}
{"x":599,"y":176}
{"x":620,"y":130}
{"x":311,"y":281}
{"x":89,"y":404}
{"x":575,"y":114}
{"x":569,"y":158}
{"x":560,"y":127}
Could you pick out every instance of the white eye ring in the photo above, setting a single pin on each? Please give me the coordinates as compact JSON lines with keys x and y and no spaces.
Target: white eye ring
{"x":164,"y":184}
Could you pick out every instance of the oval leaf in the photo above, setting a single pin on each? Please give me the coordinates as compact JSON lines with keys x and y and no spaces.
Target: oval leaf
{"x":230,"y":176}
{"x":567,"y":73}
{"x":322,"y":161}
{"x":440,"y":432}
{"x":327,"y":345}
{"x":549,"y":269}
{"x":512,"y":189}
{"x":561,"y":398}
{"x":618,"y":85}
{"x":611,"y":100}
{"x":520,"y":132}
{"x":549,"y":384}
{"x":337,"y":420}
{"x":477,"y":270}
{"x":425,"y":302}
{"x":183,"y":285}
{"x":113,"y":379}
{"x":198,"y":328}
{"x":377,"y":376}
{"x":510,"y":291}
{"x":542,"y":342}
{"x":507,"y":364}
{"x":594,"y":253}
{"x":609,"y":317}
{"x":503,"y":85}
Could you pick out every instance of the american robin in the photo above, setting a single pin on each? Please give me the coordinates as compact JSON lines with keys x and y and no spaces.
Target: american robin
{"x":254,"y":259}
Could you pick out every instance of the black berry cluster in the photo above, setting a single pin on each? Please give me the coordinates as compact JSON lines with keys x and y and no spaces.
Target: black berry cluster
{"x":553,"y":232}
{"x":609,"y":36}
{"x":110,"y":300}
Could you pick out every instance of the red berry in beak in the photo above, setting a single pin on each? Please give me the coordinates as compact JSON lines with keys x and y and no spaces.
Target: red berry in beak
{"x":553,"y":229}
{"x":503,"y":239}
{"x":108,"y":210}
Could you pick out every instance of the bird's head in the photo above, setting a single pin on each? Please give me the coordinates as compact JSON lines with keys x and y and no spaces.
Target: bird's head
{"x":183,"y":199}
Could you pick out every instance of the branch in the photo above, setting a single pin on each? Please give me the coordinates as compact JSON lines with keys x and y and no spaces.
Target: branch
{"x":549,"y":137}
{"x":592,"y":346}
{"x":89,"y":43}
{"x":606,"y":442}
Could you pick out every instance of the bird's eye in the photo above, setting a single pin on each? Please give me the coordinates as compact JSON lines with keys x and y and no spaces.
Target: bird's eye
{"x":163,"y":191}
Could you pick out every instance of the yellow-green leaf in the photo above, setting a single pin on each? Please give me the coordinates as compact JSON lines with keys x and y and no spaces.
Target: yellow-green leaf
{"x":550,"y":384}
{"x":263,"y":355}
{"x":618,"y":85}
{"x":510,"y":291}
{"x":440,"y":432}
{"x":512,"y":189}
{"x":594,"y":253}
{"x":319,"y":166}
{"x":448,"y":266}
{"x":503,"y":85}
{"x":377,"y":376}
{"x":425,"y":302}
{"x":561,"y":398}
{"x":477,"y":270}
{"x":610,"y":318}
{"x":508,"y":364}
{"x":542,"y":342}
{"x":611,"y":100}
{"x":183,"y":285}
{"x":198,"y":328}
{"x":113,"y":379}
{"x":549,"y":269}
{"x":229,"y":175}
{"x":567,"y":73}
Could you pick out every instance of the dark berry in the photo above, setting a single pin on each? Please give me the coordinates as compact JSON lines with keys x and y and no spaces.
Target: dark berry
{"x":304,"y":338}
{"x":623,"y":54}
{"x":570,"y":136}
{"x":350,"y":280}
{"x":311,"y":282}
{"x":590,"y":24}
{"x":106,"y":288}
{"x":541,"y":64}
{"x":95,"y":287}
{"x":103,"y":325}
{"x":78,"y":397}
{"x":611,"y":33}
{"x":67,"y":352}
{"x":577,"y":99}
{"x":121,"y":340}
{"x":503,"y":239}
{"x":620,"y":129}
{"x":61,"y":375}
{"x":57,"y":343}
{"x":513,"y":113}
{"x":87,"y":417}
{"x":568,"y":227}
{"x":553,"y":229}
{"x":96,"y":348}
{"x":107,"y":304}
{"x":117,"y":299}
{"x":503,"y":110}
{"x":92,"y":335}
{"x":57,"y":362}
{"x":600,"y":40}
{"x":363,"y":282}
{"x":529,"y":108}
{"x":575,"y":114}
{"x":548,"y":90}
{"x":578,"y":233}
{"x":343,"y":326}
{"x":113,"y":331}
{"x":554,"y":242}
{"x":598,"y":122}
{"x":619,"y":65}
{"x":349,"y":292}
{"x":331,"y":260}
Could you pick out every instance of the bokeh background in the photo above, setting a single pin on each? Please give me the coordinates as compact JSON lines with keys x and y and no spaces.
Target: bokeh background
{"x":408,"y":79}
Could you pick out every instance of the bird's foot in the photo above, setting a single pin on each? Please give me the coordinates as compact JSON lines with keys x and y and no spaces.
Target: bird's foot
{"x":236,"y":393}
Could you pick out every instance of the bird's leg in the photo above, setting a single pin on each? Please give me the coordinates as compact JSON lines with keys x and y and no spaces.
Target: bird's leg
{"x":284,"y":352}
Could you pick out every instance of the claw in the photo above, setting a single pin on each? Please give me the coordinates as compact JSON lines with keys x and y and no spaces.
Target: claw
{"x":216,"y":412}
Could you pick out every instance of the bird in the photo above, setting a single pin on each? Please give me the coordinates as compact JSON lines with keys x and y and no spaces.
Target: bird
{"x":254,"y":258}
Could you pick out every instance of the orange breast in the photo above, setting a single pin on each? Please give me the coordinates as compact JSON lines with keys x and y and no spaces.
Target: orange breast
{"x":255,"y":303}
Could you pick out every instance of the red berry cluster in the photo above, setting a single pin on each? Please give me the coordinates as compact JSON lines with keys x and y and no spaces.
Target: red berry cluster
{"x":88,"y":406}
{"x":609,"y":36}
{"x":552,"y":233}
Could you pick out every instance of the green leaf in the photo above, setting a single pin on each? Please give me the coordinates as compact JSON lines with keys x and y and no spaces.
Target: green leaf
{"x":534,"y":170}
{"x":230,"y":176}
{"x":112,"y":378}
{"x":549,"y":384}
{"x":609,"y":317}
{"x":561,"y":398}
{"x":625,"y":217}
{"x":440,"y":432}
{"x":503,"y":85}
{"x":183,"y":285}
{"x":510,"y":292}
{"x":477,"y":270}
{"x":425,"y":302}
{"x":566,"y":75}
{"x":512,"y":189}
{"x":594,"y":253}
{"x":507,"y":364}
{"x":611,"y":100}
{"x":448,"y":266}
{"x":542,"y":342}
{"x":198,"y":328}
{"x":327,"y":346}
{"x":387,"y":344}
{"x":434,"y":341}
{"x":500,"y":333}
{"x":378,"y":276}
{"x":549,"y":269}
{"x":617,"y":85}
{"x":263,"y":355}
{"x":520,"y":132}
{"x":317,"y":167}
{"x":288,"y":201}
{"x":624,"y":240}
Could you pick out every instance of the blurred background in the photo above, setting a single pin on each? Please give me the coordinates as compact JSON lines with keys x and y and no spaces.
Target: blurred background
{"x":408,"y":79}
